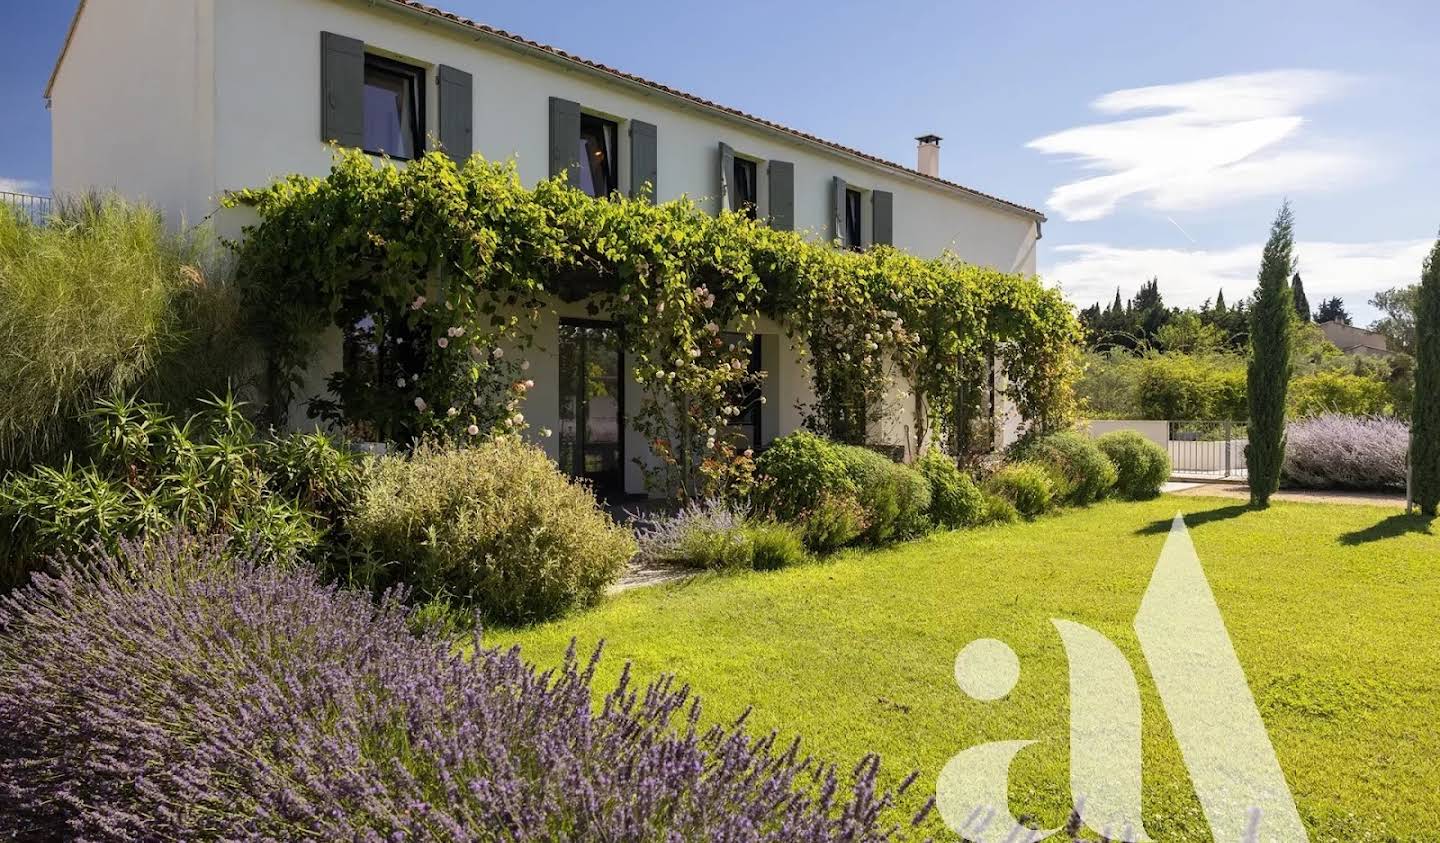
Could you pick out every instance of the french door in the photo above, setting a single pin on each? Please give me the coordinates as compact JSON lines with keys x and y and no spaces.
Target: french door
{"x":592,"y":402}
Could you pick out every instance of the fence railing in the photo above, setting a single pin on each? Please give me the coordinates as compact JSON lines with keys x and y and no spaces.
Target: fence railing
{"x":37,"y":208}
{"x":1207,"y":449}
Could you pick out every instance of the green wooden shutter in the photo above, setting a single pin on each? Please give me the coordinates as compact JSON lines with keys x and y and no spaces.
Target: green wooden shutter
{"x":565,"y":139}
{"x":457,"y":112}
{"x":342,"y":90}
{"x":644,"y":159}
{"x":837,"y":221}
{"x":882,"y":223}
{"x":727,"y":176}
{"x":782,"y":195}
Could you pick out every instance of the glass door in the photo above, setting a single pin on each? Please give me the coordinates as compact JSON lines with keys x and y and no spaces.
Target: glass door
{"x":592,"y":398}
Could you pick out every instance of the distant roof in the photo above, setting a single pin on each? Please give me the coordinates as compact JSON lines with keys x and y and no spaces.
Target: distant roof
{"x":515,"y":41}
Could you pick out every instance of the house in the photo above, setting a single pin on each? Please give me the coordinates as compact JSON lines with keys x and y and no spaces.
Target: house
{"x":180,"y":101}
{"x":1353,"y":340}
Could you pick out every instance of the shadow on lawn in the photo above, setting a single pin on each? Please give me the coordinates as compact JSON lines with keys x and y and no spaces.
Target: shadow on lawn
{"x":1196,"y":519}
{"x":1392,"y":527}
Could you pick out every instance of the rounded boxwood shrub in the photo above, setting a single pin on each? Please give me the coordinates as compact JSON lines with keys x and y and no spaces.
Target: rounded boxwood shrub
{"x":796,"y":471}
{"x":1082,"y":472}
{"x":955,"y":500}
{"x":1141,"y":465}
{"x":896,"y":497}
{"x":1026,"y":485}
{"x":495,"y":527}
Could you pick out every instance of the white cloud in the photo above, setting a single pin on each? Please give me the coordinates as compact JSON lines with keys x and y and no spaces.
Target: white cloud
{"x":1090,"y":272}
{"x":21,"y":186}
{"x":1219,"y":140}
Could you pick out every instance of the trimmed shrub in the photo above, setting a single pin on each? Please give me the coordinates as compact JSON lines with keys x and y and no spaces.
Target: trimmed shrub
{"x":1082,"y":472}
{"x":1142,"y":467}
{"x":163,"y":695}
{"x":775,"y":545}
{"x":495,"y":527}
{"x":836,"y":519}
{"x":796,"y":471}
{"x":1340,"y":393}
{"x":997,"y":510}
{"x":1346,"y":452}
{"x":896,"y":497}
{"x":955,"y":500}
{"x":1026,"y":485}
{"x":717,"y":550}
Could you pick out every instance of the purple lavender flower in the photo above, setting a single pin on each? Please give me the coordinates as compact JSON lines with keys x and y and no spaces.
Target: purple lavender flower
{"x":1348,"y":452}
{"x":166,"y":693}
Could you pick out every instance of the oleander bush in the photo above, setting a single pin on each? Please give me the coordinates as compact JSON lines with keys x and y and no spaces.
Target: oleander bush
{"x":495,"y":528}
{"x":1141,"y":465}
{"x":1081,"y":471}
{"x":1028,"y":486}
{"x":796,"y":471}
{"x":1335,"y":451}
{"x":955,"y":500}
{"x":165,"y":692}
{"x":145,"y":473}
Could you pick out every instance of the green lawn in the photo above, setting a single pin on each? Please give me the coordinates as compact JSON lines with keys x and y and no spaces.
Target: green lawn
{"x":1334,"y":611}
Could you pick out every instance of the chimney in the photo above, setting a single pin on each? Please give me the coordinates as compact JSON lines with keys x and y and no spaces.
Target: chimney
{"x":929,"y":155}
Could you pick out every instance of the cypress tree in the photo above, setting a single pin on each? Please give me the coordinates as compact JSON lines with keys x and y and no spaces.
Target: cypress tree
{"x":1271,"y":322}
{"x":1425,"y":427}
{"x":1220,"y":301}
{"x":1302,"y":304}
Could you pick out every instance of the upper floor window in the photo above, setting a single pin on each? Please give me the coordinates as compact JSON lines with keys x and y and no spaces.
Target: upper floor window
{"x":394,"y":108}
{"x":599,"y":164}
{"x":747,"y":196}
{"x":853,"y":206}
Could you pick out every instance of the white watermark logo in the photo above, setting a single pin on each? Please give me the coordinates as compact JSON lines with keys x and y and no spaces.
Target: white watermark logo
{"x":1206,"y":699}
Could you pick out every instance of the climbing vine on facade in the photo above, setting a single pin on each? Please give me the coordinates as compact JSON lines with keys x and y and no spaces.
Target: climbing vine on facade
{"x":440,"y":274}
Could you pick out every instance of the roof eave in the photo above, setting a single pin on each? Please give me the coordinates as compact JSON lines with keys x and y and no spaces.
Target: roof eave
{"x":64,"y":49}
{"x":555,"y":56}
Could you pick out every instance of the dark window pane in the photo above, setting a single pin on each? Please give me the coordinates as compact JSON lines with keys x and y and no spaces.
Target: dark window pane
{"x":852,"y":219}
{"x":599,"y":165}
{"x":394,"y":108}
{"x":743,"y":180}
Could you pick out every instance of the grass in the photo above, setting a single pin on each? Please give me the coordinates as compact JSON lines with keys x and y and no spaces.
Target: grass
{"x":1332,"y":610}
{"x":91,"y":303}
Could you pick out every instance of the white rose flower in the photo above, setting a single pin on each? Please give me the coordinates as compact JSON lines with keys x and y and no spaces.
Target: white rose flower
{"x":452,"y":412}
{"x":443,"y":342}
{"x":420,"y":404}
{"x":473,"y":430}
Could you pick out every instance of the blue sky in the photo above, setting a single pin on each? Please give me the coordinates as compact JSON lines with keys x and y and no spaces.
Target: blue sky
{"x":1158,"y":137}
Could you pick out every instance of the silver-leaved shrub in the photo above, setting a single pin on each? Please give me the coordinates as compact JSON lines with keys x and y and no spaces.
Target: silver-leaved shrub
{"x":1335,"y":451}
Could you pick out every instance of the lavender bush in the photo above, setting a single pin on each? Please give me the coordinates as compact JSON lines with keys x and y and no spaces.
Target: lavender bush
{"x":1348,"y":452}
{"x":164,"y":694}
{"x":712,"y":530}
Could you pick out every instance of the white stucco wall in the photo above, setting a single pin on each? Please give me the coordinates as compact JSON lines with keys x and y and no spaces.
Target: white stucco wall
{"x":267,"y":78}
{"x":132,"y":107}
{"x":178,"y":101}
